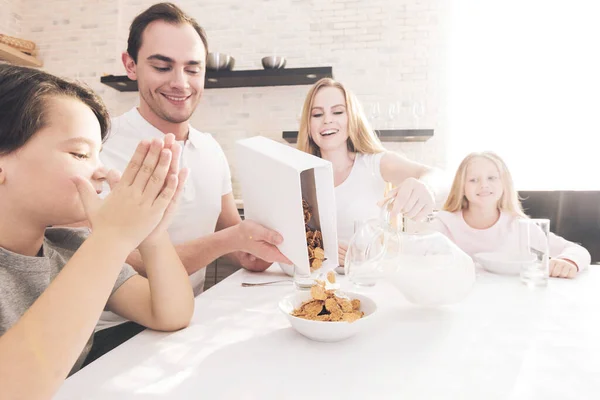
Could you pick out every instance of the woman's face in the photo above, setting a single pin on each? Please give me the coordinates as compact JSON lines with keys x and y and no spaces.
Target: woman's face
{"x":329,"y":119}
{"x":37,"y":185}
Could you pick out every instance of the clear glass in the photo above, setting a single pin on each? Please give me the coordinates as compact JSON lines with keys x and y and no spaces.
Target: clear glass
{"x":394,"y":114}
{"x":375,"y":115}
{"x":304,"y":281}
{"x":418,"y":110}
{"x":534,"y":246}
{"x":365,"y":252}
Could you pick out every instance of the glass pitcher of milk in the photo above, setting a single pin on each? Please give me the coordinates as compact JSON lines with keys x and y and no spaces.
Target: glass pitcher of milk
{"x":426,"y":267}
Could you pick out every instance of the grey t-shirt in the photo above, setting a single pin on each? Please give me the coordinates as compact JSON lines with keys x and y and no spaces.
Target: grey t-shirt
{"x":23,"y":279}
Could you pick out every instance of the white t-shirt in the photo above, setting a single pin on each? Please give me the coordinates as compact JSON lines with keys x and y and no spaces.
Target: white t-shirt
{"x":200,"y":205}
{"x":356,"y":198}
{"x":502,"y":236}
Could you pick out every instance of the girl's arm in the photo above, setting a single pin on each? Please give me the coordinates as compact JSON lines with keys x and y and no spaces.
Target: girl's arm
{"x":566,"y":250}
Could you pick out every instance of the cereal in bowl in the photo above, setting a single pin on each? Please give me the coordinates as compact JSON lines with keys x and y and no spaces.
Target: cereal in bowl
{"x":326,"y":305}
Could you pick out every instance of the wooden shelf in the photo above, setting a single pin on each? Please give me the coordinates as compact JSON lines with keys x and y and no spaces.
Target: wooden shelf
{"x":385,"y":135}
{"x":233,"y":79}
{"x":14,"y":56}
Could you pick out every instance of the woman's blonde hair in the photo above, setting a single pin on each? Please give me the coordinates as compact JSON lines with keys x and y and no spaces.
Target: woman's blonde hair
{"x":361,"y":137}
{"x":509,"y":201}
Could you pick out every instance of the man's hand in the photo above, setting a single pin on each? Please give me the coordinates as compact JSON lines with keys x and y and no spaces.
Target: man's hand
{"x":342,"y":249}
{"x":258,"y":246}
{"x":251,"y":263}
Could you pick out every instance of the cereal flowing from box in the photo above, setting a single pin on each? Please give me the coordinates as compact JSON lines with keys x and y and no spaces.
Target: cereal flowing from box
{"x":314,"y":240}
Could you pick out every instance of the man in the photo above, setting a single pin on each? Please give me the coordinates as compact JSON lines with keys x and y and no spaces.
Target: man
{"x":166,"y":55}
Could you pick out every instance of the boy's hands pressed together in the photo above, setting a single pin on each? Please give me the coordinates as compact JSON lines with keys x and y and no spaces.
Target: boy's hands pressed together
{"x":138,"y":200}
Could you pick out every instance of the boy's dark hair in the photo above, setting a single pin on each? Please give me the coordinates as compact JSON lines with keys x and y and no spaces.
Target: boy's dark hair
{"x":24,"y":93}
{"x":167,"y":12}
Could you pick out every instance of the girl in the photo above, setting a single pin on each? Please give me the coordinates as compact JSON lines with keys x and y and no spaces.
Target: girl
{"x":333,"y":127}
{"x":482,"y":213}
{"x":55,"y":282}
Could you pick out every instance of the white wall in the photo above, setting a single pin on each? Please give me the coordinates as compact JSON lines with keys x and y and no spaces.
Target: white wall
{"x":526,"y":84}
{"x":10,"y":17}
{"x":384,"y":50}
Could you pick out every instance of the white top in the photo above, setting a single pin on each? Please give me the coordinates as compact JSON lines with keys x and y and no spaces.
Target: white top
{"x":356,"y":198}
{"x":209,"y":179}
{"x":502,"y":236}
{"x":503,"y":342}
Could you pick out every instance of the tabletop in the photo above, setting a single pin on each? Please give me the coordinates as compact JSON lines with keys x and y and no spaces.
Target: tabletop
{"x":504,"y":341}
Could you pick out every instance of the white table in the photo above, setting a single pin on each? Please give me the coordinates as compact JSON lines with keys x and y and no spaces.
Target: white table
{"x":503,"y":342}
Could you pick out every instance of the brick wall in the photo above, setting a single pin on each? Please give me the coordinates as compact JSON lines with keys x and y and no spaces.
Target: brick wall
{"x":386,"y":51}
{"x":10,"y":17}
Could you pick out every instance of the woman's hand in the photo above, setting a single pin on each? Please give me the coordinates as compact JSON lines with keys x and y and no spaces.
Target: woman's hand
{"x":412,"y":198}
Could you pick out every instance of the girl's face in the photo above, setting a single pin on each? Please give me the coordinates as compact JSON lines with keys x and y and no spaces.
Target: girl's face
{"x":37,"y":185}
{"x":483,"y":186}
{"x":329,"y":119}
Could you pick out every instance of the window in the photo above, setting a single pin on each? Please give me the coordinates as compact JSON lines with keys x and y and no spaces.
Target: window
{"x":524,"y":81}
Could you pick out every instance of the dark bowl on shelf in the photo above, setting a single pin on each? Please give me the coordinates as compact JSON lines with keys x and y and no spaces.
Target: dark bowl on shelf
{"x":273,"y":62}
{"x":219,"y":62}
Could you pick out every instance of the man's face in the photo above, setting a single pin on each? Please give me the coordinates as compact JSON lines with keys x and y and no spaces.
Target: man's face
{"x":170,"y":70}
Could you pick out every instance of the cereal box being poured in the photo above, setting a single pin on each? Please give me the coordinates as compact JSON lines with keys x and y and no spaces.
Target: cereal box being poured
{"x":291,"y":192}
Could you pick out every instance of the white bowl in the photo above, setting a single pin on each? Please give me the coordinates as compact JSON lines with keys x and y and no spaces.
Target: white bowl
{"x":503,"y":263}
{"x":323,"y":331}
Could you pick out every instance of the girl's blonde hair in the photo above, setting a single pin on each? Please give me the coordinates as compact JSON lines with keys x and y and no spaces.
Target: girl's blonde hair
{"x":509,"y":201}
{"x":361,"y":137}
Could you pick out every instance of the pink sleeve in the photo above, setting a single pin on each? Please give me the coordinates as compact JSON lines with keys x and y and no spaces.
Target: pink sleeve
{"x":440,"y":227}
{"x":562,"y":248}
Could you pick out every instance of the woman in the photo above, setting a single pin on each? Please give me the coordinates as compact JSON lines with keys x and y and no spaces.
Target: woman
{"x":334,"y":127}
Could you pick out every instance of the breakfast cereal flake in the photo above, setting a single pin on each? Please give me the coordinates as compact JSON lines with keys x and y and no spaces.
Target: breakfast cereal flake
{"x":326,"y":305}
